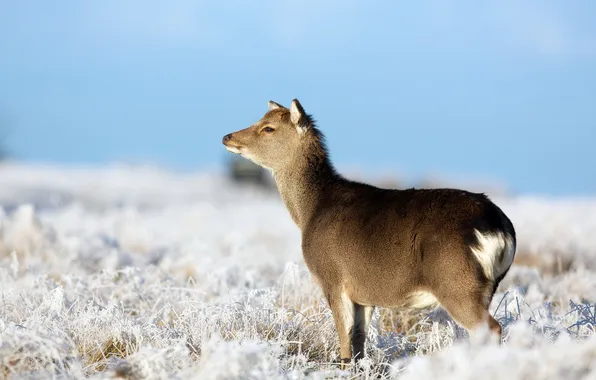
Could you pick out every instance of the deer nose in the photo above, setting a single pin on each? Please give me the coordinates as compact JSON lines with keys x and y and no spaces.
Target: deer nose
{"x":226,"y":138}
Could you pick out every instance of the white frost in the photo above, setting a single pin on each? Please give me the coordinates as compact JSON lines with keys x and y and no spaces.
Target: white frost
{"x":143,"y":273}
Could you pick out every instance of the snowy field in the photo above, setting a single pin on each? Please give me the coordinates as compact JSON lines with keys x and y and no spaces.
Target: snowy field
{"x":137,"y":273}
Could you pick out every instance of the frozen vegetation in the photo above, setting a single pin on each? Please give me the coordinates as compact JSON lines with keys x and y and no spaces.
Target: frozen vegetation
{"x":138,"y":273}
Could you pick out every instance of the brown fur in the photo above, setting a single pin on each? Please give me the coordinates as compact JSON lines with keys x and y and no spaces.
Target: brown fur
{"x":367,"y":246}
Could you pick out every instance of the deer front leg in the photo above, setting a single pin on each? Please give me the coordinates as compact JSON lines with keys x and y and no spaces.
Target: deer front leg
{"x":342,"y":309}
{"x":362,"y":317}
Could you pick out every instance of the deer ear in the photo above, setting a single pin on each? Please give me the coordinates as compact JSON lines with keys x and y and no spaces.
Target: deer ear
{"x":274,"y":106}
{"x":296,"y":112}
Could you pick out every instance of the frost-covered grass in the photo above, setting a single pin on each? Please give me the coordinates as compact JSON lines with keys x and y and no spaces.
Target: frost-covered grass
{"x":144,"y":274}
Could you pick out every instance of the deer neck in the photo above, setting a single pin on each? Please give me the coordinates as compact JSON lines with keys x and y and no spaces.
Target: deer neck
{"x":304,"y":185}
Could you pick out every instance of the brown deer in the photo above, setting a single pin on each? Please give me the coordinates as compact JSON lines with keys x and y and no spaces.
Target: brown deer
{"x":367,"y":246}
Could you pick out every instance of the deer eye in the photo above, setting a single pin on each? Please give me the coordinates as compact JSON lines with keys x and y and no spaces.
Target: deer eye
{"x":267,"y":130}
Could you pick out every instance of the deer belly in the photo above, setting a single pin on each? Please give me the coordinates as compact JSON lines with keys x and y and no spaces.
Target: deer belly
{"x":384,"y":287}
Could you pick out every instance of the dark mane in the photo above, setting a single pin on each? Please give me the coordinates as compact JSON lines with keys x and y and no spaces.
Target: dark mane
{"x":319,"y":161}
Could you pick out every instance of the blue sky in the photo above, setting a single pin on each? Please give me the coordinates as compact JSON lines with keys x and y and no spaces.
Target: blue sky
{"x":502,"y":90}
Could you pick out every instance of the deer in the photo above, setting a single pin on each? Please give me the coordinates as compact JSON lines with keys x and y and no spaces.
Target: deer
{"x":368,"y":246}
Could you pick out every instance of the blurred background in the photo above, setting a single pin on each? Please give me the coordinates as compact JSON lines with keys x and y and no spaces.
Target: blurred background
{"x":498,"y":93}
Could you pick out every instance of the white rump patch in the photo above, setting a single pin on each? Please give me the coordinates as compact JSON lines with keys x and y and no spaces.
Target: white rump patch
{"x":489,"y":252}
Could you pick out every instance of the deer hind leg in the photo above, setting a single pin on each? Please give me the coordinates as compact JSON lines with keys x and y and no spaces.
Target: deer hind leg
{"x":342,"y":309}
{"x":469,"y":308}
{"x":362,"y":316}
